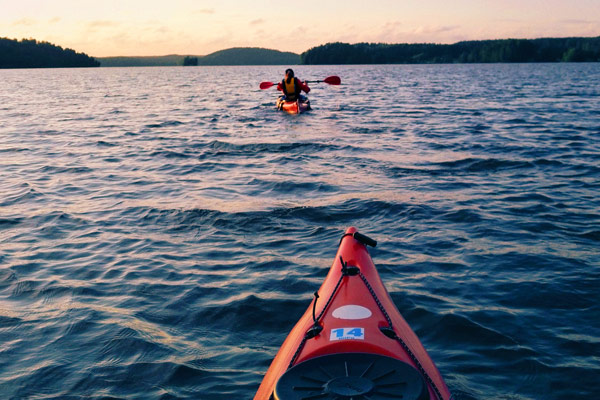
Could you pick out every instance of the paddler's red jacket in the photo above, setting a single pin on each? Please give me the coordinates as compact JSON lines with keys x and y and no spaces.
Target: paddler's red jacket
{"x":303,"y":86}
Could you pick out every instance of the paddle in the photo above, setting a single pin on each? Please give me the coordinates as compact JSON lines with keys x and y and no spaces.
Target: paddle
{"x":331,"y":80}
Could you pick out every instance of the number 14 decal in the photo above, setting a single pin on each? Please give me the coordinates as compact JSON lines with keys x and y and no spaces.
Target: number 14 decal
{"x":347,"y":334}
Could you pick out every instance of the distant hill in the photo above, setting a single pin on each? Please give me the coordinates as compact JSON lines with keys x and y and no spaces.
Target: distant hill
{"x":152,"y":61}
{"x":233,"y":56}
{"x":575,"y":49}
{"x":29,"y":53}
{"x":249,"y":56}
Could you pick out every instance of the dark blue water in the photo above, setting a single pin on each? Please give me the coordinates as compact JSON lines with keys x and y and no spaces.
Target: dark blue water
{"x":162,"y":229}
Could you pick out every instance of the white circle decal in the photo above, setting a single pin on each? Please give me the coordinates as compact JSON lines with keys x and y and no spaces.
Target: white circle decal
{"x":352,"y":312}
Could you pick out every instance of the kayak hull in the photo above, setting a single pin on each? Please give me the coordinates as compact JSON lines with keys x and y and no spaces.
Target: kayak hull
{"x":355,"y":315}
{"x":293,"y":107}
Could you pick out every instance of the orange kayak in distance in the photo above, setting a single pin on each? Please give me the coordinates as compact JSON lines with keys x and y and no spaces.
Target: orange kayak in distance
{"x":293,"y":107}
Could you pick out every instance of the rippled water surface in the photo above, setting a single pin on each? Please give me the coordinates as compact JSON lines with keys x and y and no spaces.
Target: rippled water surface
{"x":162,"y":229}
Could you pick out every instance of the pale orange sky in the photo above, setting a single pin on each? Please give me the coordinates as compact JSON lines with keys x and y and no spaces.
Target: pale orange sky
{"x":151,"y":27}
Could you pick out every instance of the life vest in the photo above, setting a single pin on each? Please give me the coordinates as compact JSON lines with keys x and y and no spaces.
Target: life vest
{"x":292,"y":89}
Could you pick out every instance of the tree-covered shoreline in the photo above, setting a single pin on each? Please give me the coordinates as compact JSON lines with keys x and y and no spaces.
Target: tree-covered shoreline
{"x":29,"y":53}
{"x":577,"y":49}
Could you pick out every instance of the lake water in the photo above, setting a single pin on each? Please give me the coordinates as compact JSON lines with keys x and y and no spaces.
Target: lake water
{"x":162,"y":229}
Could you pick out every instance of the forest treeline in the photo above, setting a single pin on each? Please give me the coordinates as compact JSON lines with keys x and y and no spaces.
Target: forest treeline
{"x":29,"y":53}
{"x":577,"y":49}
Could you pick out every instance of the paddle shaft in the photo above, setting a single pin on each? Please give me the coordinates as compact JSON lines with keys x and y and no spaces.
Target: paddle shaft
{"x":331,"y":80}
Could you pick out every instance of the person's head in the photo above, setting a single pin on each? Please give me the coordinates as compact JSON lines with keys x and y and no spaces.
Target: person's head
{"x":289,"y":74}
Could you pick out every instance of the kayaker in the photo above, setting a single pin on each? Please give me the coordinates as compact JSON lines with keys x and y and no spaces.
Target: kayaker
{"x":292,"y":87}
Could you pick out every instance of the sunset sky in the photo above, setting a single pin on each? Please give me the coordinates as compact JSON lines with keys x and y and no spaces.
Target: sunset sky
{"x":152,"y":27}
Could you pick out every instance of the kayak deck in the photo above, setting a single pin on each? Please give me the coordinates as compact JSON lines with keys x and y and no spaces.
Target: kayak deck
{"x":352,"y":316}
